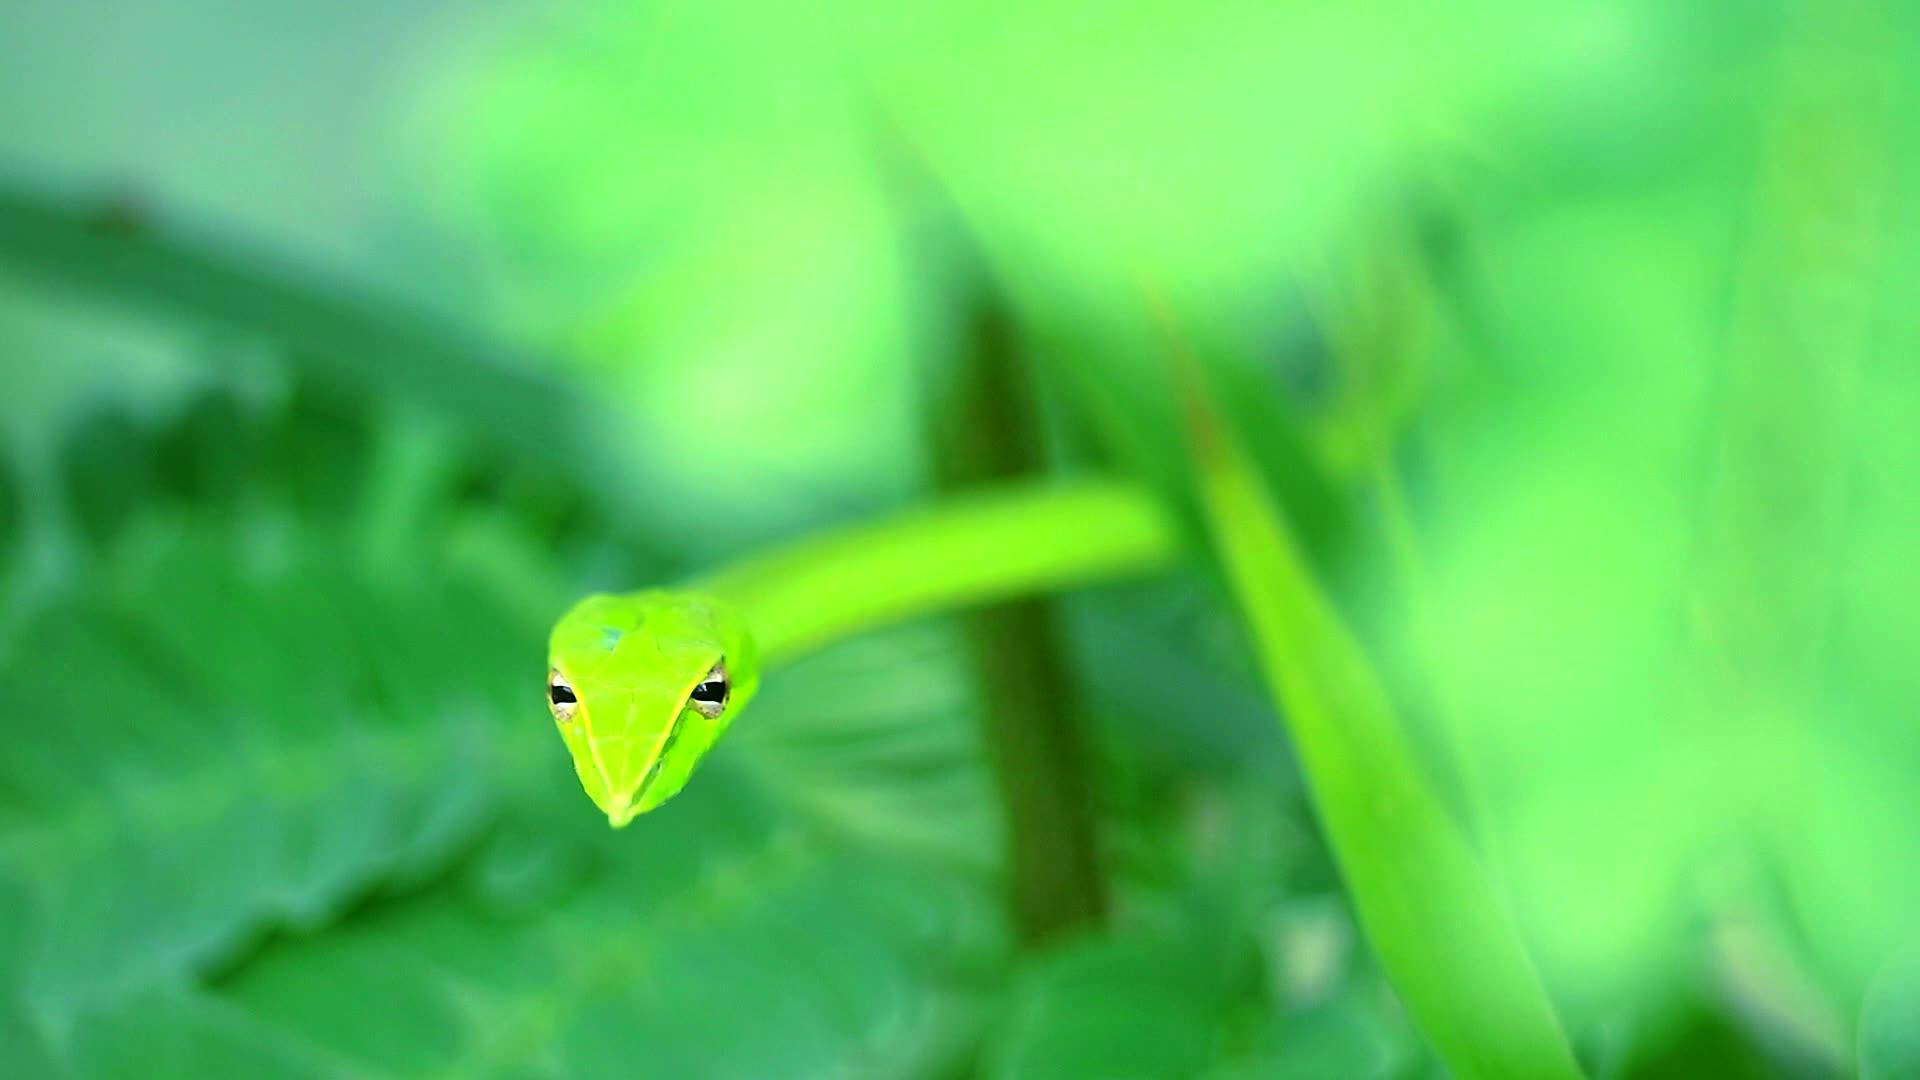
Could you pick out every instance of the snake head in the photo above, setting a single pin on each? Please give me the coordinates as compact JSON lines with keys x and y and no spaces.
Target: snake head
{"x":641,"y":685}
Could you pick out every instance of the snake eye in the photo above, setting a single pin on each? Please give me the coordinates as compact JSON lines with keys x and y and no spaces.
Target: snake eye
{"x":560,"y":696}
{"x":709,"y":699}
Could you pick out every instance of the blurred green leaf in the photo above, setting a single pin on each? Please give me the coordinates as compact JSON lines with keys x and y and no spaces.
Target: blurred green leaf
{"x":276,"y":736}
{"x":1353,"y":1033}
{"x":724,"y":945}
{"x":119,"y":255}
{"x":12,"y":524}
{"x":1239,"y":962}
{"x":295,"y":751}
{"x":297,"y":728}
{"x":1430,"y":911}
{"x":1128,"y":1006}
{"x":1166,"y":657}
{"x":1889,"y":1028}
{"x":108,"y":472}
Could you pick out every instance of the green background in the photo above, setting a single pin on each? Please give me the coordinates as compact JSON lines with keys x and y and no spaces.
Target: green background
{"x":342,"y":345}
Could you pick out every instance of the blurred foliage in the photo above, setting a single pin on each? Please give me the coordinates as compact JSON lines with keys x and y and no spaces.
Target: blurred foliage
{"x":1574,"y":341}
{"x":1418,"y":888}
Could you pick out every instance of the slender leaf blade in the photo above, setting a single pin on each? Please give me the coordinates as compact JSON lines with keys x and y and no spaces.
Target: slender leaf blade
{"x":1442,"y":933}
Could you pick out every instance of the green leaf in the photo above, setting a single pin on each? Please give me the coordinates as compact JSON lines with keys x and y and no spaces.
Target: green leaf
{"x":106,"y":255}
{"x":1130,"y":1006}
{"x":704,"y":954}
{"x":1357,"y":1031}
{"x":710,"y":948}
{"x":237,"y":722}
{"x":12,"y":521}
{"x":275,"y":748}
{"x":1440,"y":930}
{"x":1889,"y":1029}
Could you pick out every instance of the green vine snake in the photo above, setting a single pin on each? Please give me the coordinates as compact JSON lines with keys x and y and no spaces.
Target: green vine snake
{"x":642,"y":685}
